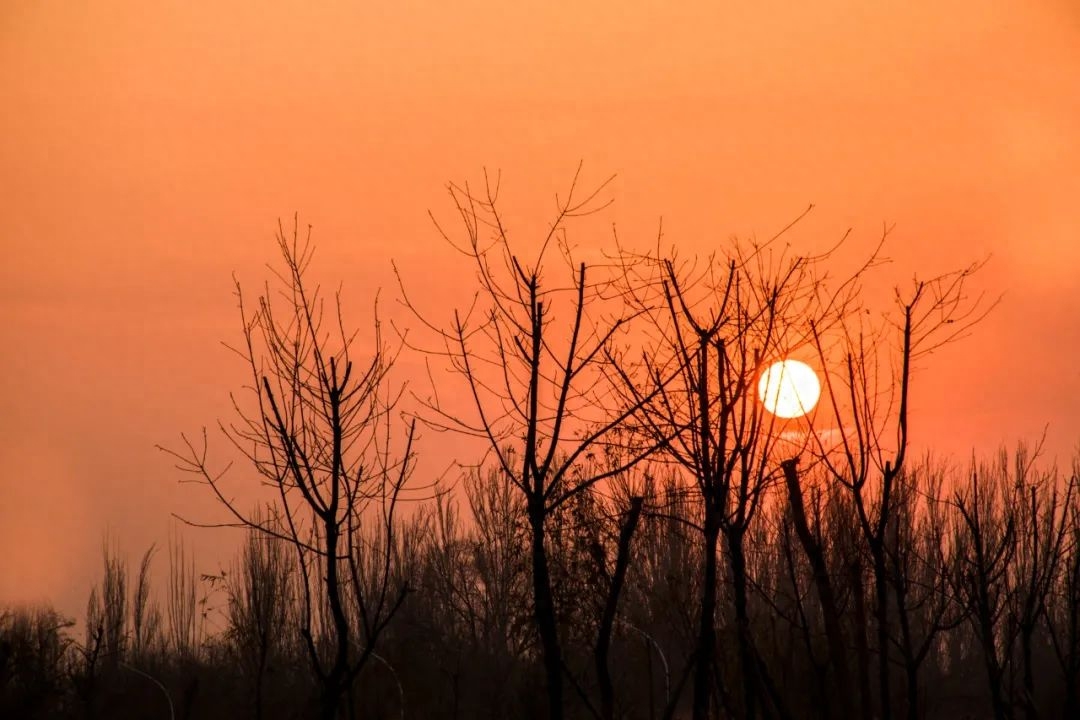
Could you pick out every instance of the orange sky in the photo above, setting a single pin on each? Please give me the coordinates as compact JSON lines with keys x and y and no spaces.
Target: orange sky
{"x":147,"y":149}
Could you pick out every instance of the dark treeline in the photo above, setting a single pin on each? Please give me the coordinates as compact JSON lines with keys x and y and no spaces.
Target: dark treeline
{"x":983,"y":579}
{"x":642,"y":538}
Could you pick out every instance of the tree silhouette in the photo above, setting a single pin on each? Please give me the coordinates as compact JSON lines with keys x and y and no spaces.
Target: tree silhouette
{"x":716,"y":327}
{"x":540,"y":382}
{"x":321,"y":435}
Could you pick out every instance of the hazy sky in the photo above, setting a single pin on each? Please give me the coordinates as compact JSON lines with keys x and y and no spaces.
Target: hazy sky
{"x":148,"y":148}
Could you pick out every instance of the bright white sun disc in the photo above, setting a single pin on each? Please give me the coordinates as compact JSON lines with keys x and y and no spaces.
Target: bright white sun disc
{"x":789,"y":389}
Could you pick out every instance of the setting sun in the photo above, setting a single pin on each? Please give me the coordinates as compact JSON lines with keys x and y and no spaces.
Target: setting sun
{"x":789,"y":389}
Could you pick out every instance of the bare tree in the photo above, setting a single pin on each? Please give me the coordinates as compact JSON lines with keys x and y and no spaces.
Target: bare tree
{"x":867,"y":382}
{"x":181,"y":612}
{"x":320,"y":431}
{"x":33,"y":648}
{"x":536,"y":356}
{"x":1012,"y":547}
{"x":716,"y":327}
{"x":591,"y":537}
{"x":917,"y":550}
{"x":615,"y":582}
{"x":984,"y":543}
{"x":258,"y":608}
{"x":1063,"y":613}
{"x":145,"y":614}
{"x":814,"y":549}
{"x":476,"y":588}
{"x":1042,"y":509}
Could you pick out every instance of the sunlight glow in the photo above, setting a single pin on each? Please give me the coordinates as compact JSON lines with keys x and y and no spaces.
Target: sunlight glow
{"x":789,"y":389}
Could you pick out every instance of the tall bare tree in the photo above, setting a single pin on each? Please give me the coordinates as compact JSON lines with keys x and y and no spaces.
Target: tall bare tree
{"x":868,"y":371}
{"x":535,"y":350}
{"x":322,"y":433}
{"x":716,"y":326}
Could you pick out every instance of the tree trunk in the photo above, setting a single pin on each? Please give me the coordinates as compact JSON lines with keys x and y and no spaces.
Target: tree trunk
{"x":881,"y":600}
{"x":1031,"y":712}
{"x":544,"y":613}
{"x":334,"y":684}
{"x":611,"y":607}
{"x":911,"y":664}
{"x":706,"y":644}
{"x":994,"y":670}
{"x":862,"y":650}
{"x":1072,"y":692}
{"x":260,"y":672}
{"x":742,"y":623}
{"x":911,"y":672}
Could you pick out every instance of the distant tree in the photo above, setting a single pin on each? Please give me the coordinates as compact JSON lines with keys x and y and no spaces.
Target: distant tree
{"x":181,"y":606}
{"x":259,"y":602}
{"x":984,"y":541}
{"x":321,"y":432}
{"x":1012,"y":550}
{"x":33,"y":647}
{"x":918,"y":553}
{"x":1042,"y":508}
{"x":591,"y":538}
{"x":1063,"y":603}
{"x":472,"y":613}
{"x":123,"y":627}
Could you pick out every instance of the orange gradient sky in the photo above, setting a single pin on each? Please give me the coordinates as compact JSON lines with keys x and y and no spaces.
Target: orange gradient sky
{"x":147,"y":150}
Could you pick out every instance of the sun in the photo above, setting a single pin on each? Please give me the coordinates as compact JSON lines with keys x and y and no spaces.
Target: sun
{"x":789,"y":389}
